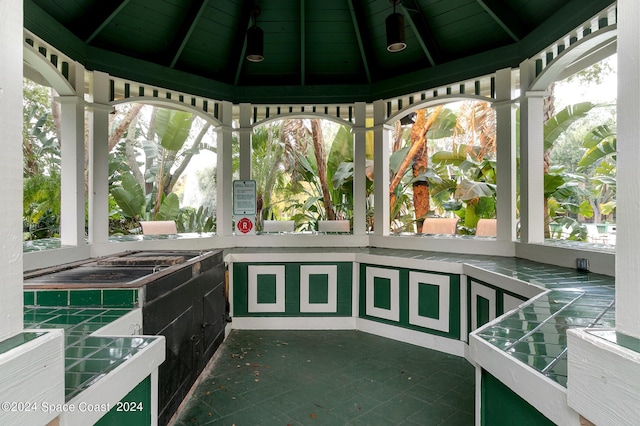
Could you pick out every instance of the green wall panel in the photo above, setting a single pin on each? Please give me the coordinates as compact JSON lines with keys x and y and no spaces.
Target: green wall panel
{"x":427,"y":293}
{"x":134,"y":409}
{"x":266,"y":288}
{"x":483,"y":315}
{"x":503,"y":407}
{"x":382,"y":293}
{"x":318,"y":290}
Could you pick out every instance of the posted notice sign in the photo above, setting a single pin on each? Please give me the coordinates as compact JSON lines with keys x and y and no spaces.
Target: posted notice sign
{"x":244,"y":206}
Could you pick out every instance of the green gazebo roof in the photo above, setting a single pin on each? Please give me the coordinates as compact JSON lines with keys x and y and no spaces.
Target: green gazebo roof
{"x":315,"y":50}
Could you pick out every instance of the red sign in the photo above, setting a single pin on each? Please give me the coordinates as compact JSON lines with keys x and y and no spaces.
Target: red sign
{"x":244,"y":225}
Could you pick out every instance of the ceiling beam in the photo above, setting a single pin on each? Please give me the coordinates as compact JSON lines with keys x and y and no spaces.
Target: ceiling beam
{"x":420,"y":27}
{"x":357,"y":24}
{"x":505,"y":17}
{"x":107,"y":21}
{"x":303,"y":43}
{"x":188,"y":25}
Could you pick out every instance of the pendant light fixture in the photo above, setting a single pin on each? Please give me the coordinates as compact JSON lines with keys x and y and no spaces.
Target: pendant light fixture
{"x":255,"y":39}
{"x":395,"y":30}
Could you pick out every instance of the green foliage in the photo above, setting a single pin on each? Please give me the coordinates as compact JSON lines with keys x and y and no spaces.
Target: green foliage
{"x":600,"y":142}
{"x":191,"y":220}
{"x":457,"y":157}
{"x":41,"y":206}
{"x":129,"y":196}
{"x":560,"y":122}
{"x":145,"y":168}
{"x":590,"y":151}
{"x":172,"y":127}
{"x":41,"y":164}
{"x":169,"y":208}
{"x":286,"y":173}
{"x":465,"y":185}
{"x":468,"y":190}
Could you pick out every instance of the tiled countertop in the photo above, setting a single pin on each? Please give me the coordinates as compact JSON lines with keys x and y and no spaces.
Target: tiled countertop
{"x":534,"y":334}
{"x":87,"y":358}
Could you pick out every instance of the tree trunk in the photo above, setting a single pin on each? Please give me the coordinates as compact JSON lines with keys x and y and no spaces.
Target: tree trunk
{"x":151,"y":135}
{"x":131,"y":155}
{"x":118,"y":132}
{"x":318,"y":148}
{"x":185,"y":161}
{"x":418,"y":142}
{"x":420,"y":163}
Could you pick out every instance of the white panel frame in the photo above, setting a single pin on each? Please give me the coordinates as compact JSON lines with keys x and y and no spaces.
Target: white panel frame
{"x":253,"y":272}
{"x":444,"y":299}
{"x":392,"y":314}
{"x":488,"y":293}
{"x":331,"y":271}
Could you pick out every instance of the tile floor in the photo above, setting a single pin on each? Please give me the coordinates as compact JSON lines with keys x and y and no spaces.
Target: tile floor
{"x":329,"y":378}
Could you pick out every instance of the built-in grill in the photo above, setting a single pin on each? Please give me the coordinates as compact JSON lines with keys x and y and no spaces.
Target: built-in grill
{"x":92,"y":275}
{"x":143,"y":260}
{"x":183,"y":300}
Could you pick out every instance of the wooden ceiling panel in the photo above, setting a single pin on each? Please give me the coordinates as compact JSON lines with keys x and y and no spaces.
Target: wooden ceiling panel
{"x":306,"y":42}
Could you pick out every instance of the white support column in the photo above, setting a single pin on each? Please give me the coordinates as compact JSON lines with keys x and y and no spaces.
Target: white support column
{"x":531,"y":158}
{"x":381,"y":140}
{"x":360,"y":169}
{"x":628,"y":190}
{"x":224,"y":141}
{"x":11,"y":301}
{"x":72,"y":162}
{"x":244,"y":136}
{"x":506,"y":155}
{"x":99,"y":160}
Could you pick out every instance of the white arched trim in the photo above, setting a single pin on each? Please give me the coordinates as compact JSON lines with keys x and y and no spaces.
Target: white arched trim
{"x":584,"y":53}
{"x":440,"y":100}
{"x":40,"y":70}
{"x":302,"y":115}
{"x":171,"y":104}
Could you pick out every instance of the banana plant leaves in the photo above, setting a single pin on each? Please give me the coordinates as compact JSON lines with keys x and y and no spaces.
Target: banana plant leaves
{"x":600,"y":142}
{"x":560,"y":122}
{"x":169,"y":208}
{"x":129,"y":196}
{"x":468,"y":190}
{"x":172,"y":127}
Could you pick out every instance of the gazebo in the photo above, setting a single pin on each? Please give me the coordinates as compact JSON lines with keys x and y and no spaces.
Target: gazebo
{"x":241,"y":64}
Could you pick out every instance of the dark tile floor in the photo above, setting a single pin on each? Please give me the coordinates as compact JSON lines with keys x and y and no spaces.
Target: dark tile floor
{"x":330,"y":378}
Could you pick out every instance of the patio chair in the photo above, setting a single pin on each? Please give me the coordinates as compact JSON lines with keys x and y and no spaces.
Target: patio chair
{"x":440,"y":225}
{"x":486,"y":228}
{"x":158,"y":227}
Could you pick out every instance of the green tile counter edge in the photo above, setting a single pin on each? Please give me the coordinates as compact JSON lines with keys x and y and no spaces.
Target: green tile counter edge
{"x":87,"y":358}
{"x":117,"y":298}
{"x":17,"y":340}
{"x":620,"y":339}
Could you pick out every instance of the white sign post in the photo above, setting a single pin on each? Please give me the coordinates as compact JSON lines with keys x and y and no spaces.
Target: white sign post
{"x":244,"y":206}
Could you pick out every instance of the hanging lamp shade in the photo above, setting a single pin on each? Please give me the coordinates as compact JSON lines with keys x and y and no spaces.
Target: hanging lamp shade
{"x":395,"y":30}
{"x":255,"y":44}
{"x":255,"y":38}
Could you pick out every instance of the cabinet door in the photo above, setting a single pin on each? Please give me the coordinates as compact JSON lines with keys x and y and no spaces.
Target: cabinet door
{"x":213,"y":308}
